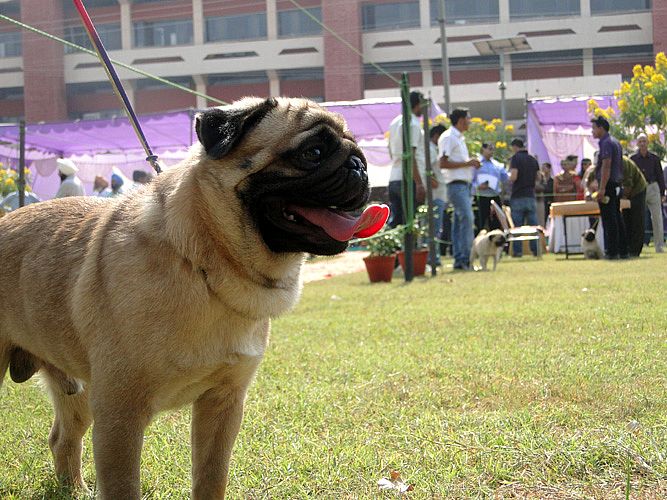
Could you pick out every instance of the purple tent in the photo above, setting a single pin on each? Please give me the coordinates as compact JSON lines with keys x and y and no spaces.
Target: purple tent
{"x":98,"y":145}
{"x":560,"y":127}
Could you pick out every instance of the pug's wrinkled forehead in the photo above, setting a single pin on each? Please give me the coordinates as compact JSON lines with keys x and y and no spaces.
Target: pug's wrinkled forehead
{"x":295,"y":120}
{"x":276,"y":123}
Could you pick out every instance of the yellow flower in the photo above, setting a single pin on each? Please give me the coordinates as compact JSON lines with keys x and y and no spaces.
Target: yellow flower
{"x":622,"y":105}
{"x":661,"y":61}
{"x":592,"y":105}
{"x":509,"y":128}
{"x":625,"y":87}
{"x":501,"y":145}
{"x":653,"y":137}
{"x":637,"y":71}
{"x":476,"y":119}
{"x":648,"y":86}
{"x":601,"y":112}
{"x":610,"y":111}
{"x":624,"y":143}
{"x":496,"y":121}
{"x":649,"y":71}
{"x":658,"y":79}
{"x":9,"y":183}
{"x":648,"y":100}
{"x":490,"y":127}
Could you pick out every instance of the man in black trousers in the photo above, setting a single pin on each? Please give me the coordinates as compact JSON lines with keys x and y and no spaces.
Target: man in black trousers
{"x":634,"y":189}
{"x":609,"y":174}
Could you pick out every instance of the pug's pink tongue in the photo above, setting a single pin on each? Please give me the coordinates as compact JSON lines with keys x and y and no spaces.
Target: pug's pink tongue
{"x":342,"y":226}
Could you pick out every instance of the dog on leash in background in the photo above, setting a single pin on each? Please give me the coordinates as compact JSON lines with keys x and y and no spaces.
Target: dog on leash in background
{"x":487,"y":245}
{"x":589,"y":244}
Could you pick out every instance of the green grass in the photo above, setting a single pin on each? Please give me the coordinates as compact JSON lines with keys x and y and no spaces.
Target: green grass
{"x":520,"y":383}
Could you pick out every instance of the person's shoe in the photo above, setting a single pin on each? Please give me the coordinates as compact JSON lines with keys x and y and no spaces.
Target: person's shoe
{"x":611,"y":257}
{"x":461,"y":267}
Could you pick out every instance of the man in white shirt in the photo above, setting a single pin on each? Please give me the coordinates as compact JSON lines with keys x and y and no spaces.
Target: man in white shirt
{"x":70,"y":185}
{"x":459,"y":170}
{"x":396,"y":153}
{"x":439,"y":189}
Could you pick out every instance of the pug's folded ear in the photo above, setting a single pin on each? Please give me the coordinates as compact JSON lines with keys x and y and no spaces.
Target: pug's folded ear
{"x":220,"y":129}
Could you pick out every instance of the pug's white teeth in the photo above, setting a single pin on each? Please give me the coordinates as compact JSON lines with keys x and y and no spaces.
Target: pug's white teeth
{"x":289,"y":217}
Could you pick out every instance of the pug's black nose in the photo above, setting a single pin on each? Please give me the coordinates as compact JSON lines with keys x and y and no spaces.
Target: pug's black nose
{"x":355,"y":163}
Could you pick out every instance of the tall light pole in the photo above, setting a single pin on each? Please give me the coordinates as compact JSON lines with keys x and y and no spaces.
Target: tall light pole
{"x":501,"y":47}
{"x":502,"y":86}
{"x":445,"y":60}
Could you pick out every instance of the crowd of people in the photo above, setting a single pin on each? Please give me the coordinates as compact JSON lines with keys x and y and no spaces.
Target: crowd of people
{"x":71,"y":185}
{"x":461,"y":181}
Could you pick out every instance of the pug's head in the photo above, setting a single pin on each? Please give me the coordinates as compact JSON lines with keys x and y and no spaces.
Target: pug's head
{"x":294,"y":167}
{"x":498,"y":238}
{"x":589,"y":235}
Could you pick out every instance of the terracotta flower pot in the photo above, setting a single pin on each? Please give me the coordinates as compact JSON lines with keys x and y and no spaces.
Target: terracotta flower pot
{"x":420,"y":257}
{"x":380,"y":268}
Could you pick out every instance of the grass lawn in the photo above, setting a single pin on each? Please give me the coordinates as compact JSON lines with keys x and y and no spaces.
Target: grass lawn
{"x":545,"y":379}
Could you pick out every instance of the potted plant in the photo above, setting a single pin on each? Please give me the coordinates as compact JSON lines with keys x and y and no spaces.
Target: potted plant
{"x":380,"y":261}
{"x":420,"y":253}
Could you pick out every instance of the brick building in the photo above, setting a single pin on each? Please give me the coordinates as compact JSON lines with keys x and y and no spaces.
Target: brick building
{"x":232,"y":48}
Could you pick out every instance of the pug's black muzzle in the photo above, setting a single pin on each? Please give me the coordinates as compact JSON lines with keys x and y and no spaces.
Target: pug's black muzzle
{"x":340,"y":182}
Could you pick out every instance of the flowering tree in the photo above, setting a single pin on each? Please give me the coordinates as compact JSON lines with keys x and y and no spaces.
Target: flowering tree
{"x":485,"y":132}
{"x":9,"y":179}
{"x":641,"y":103}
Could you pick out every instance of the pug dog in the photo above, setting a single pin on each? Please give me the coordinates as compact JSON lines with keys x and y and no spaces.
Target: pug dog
{"x":590,"y":246}
{"x":486,"y":245}
{"x":133,"y":305}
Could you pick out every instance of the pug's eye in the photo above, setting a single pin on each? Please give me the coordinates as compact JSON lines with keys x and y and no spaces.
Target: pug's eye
{"x":312,"y":155}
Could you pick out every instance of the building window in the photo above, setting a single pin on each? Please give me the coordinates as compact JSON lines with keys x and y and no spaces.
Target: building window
{"x":551,"y":58}
{"x":150,"y":84}
{"x":247,"y":78}
{"x":520,"y":9}
{"x":466,"y":11}
{"x":75,"y":89}
{"x":624,"y":53}
{"x":298,"y":23}
{"x":109,"y":34}
{"x":10,"y":44}
{"x":162,"y":33}
{"x":299,"y":74}
{"x":468,"y":63}
{"x":11,"y":94}
{"x":619,"y":6}
{"x":241,"y":27}
{"x":388,"y":16}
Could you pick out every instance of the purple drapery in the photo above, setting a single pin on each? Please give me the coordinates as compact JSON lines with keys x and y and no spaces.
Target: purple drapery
{"x":560,"y":127}
{"x":97,"y":145}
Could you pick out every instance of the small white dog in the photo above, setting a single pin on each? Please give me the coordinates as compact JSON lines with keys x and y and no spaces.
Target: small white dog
{"x":589,"y":245}
{"x":488,"y":244}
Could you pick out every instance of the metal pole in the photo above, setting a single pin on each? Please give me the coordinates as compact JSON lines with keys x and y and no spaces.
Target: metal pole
{"x":502,"y":87}
{"x":21,"y":183}
{"x":407,"y":185}
{"x":445,"y":59}
{"x":429,"y":189}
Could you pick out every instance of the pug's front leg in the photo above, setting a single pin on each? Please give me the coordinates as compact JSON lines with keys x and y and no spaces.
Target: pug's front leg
{"x":216,"y":420}
{"x":120,"y":417}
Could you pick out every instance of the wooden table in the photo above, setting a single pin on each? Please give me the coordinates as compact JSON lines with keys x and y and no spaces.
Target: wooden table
{"x":582,"y":208}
